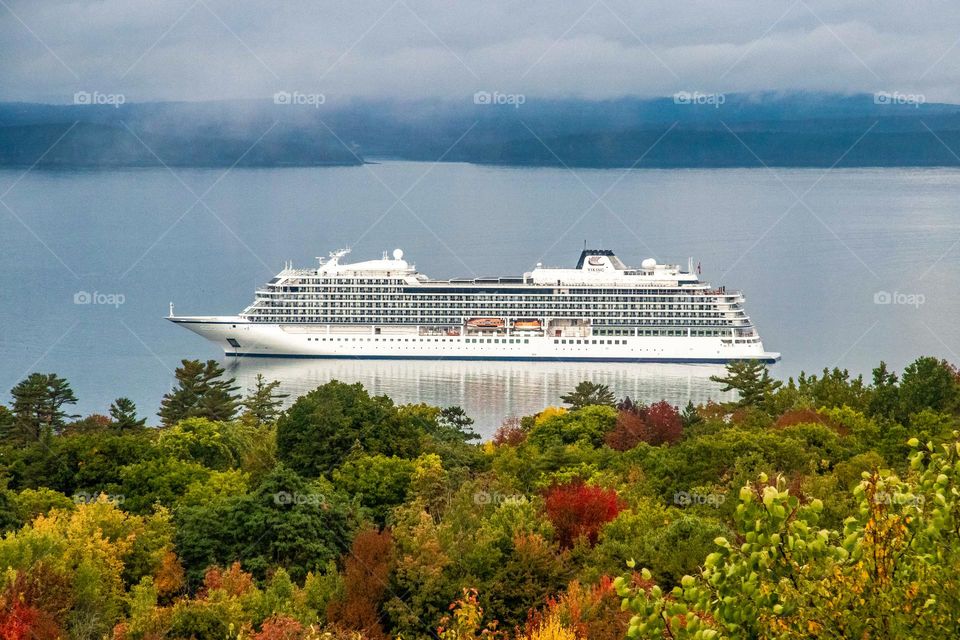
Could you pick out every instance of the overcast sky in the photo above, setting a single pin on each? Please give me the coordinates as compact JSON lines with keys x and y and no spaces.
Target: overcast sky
{"x":224,"y":49}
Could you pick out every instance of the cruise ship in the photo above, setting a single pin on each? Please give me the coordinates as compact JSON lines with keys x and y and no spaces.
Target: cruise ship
{"x":601,"y":311}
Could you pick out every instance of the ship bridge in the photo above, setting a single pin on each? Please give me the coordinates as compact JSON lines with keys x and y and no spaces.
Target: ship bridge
{"x":602,"y":266}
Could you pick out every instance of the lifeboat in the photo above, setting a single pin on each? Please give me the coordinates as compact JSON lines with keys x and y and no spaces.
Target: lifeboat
{"x":528,"y":324}
{"x":485,"y":323}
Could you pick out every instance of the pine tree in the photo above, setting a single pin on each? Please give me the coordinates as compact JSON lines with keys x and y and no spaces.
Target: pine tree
{"x":885,"y":399}
{"x":589,"y":393}
{"x":262,"y":404}
{"x":6,"y":424}
{"x":37,"y":405}
{"x":124,"y":414}
{"x":201,"y":393}
{"x":690,"y":415}
{"x":750,"y":379}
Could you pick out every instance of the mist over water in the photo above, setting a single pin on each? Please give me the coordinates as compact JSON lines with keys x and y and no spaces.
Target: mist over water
{"x":840,"y":268}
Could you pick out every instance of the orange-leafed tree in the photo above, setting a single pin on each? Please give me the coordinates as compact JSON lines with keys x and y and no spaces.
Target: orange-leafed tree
{"x":366,"y":573}
{"x":280,"y":627}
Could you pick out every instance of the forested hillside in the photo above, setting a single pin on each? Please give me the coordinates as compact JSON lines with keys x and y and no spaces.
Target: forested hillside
{"x":822,"y":507}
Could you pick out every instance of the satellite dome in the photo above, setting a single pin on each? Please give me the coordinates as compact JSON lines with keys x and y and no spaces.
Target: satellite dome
{"x":649,"y":263}
{"x":398,"y":254}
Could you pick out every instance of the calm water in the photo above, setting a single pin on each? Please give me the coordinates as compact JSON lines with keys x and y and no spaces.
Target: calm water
{"x":811,"y":270}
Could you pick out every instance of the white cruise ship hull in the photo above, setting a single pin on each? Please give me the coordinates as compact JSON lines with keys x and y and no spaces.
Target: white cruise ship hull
{"x":242,"y":338}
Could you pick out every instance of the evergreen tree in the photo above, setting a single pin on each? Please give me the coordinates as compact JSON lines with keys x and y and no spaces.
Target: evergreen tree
{"x":454,"y":425}
{"x":690,"y":416}
{"x":124,"y":414}
{"x":38,"y":405}
{"x":202,"y":392}
{"x":589,"y":393}
{"x":262,"y":404}
{"x":6,"y":424}
{"x":750,"y":379}
{"x":885,"y":399}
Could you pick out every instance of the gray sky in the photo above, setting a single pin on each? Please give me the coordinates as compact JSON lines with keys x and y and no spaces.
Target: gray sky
{"x":225,"y":49}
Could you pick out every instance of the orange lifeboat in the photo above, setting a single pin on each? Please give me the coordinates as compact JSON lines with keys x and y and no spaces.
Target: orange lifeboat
{"x":485,"y":323}
{"x":528,"y":324}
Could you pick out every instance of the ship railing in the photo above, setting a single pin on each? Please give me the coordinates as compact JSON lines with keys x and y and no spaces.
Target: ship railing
{"x":722,"y":291}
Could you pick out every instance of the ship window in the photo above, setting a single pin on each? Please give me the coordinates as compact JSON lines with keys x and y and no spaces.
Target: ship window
{"x":526,"y":341}
{"x":233,"y":343}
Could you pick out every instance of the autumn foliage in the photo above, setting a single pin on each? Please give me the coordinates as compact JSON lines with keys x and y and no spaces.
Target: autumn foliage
{"x":658,"y":424}
{"x":280,"y":627}
{"x":580,"y":510}
{"x":510,"y":433}
{"x":580,"y":612}
{"x":32,"y":603}
{"x":365,"y":576}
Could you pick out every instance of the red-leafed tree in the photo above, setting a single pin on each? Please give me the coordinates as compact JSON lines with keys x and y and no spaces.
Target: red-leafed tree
{"x":658,"y":424}
{"x":32,"y":604}
{"x":20,"y":621}
{"x":631,"y":430}
{"x":365,"y":574}
{"x":664,"y":425}
{"x":509,"y":433}
{"x":580,"y":510}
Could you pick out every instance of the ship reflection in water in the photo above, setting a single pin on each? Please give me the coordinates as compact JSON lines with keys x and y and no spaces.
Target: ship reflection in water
{"x":487,"y":391}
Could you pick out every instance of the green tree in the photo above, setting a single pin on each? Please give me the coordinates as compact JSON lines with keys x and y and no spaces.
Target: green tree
{"x":215,"y":445}
{"x":929,"y":383}
{"x":161,"y":480}
{"x":885,"y":397}
{"x":320,"y":430}
{"x":455,"y":422}
{"x":38,"y":405}
{"x":750,"y":379}
{"x":201,"y":392}
{"x":285,"y":521}
{"x":379,"y":482}
{"x":262,"y":404}
{"x":589,"y":393}
{"x":6,"y":424}
{"x":124,"y":414}
{"x":588,"y":426}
